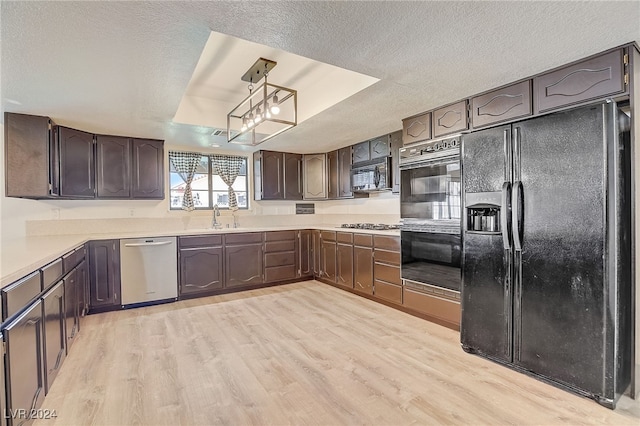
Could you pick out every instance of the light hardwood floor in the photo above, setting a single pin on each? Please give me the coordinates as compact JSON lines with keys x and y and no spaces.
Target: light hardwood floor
{"x":304,"y":353}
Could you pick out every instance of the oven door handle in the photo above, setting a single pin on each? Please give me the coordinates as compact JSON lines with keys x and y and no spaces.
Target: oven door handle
{"x":505,"y":215}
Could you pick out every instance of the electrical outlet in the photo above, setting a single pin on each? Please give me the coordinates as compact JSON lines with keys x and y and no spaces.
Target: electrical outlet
{"x":55,"y":213}
{"x":132,"y":212}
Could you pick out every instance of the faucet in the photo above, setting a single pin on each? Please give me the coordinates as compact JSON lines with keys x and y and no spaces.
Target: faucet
{"x":214,"y":222}
{"x":235,"y":219}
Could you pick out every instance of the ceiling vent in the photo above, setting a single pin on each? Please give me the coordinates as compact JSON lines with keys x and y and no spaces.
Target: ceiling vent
{"x":219,"y":132}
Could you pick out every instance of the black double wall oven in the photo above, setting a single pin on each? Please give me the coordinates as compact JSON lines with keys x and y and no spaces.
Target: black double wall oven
{"x":430,"y":208}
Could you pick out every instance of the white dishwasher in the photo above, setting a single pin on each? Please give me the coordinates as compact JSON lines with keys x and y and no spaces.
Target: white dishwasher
{"x":149,"y":270}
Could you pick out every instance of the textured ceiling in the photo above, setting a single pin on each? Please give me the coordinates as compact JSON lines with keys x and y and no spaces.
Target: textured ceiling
{"x":122,"y":67}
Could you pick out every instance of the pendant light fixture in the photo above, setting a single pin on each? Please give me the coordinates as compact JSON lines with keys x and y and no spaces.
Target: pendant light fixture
{"x":266,"y":112}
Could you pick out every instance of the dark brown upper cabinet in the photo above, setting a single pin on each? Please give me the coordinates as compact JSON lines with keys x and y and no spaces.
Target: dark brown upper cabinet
{"x":395,"y":140}
{"x":28,"y":167}
{"x":379,"y":147}
{"x":450,"y":119}
{"x":77,"y":173}
{"x":590,"y":79}
{"x":344,"y":172}
{"x":292,"y":176}
{"x":278,"y":175}
{"x":416,"y":128}
{"x":147,"y":180}
{"x":113,"y":166}
{"x":361,"y":152}
{"x":332,"y":171}
{"x":502,"y":104}
{"x":315,"y":176}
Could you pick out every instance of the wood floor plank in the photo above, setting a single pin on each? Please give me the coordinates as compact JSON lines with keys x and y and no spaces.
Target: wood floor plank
{"x":303,"y":353}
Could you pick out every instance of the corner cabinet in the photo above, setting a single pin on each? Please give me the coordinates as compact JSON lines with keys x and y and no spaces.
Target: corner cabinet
{"x":104,"y":275}
{"x":315,"y":176}
{"x":277,"y":175}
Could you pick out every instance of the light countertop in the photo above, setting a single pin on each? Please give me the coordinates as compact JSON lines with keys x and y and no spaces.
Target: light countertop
{"x":21,"y":256}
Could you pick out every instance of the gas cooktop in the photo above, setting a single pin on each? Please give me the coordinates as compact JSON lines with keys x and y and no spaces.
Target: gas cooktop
{"x":374,"y":226}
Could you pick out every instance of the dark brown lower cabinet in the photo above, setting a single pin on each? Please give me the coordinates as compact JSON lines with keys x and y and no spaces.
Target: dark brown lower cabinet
{"x":305,"y":253}
{"x":328,"y":257}
{"x":104,"y":274}
{"x":200,"y":270}
{"x":280,"y":256}
{"x":71,"y":307}
{"x":363,"y":269}
{"x":315,"y":247}
{"x":344,"y":256}
{"x":24,"y":363}
{"x":244,"y":262}
{"x":82,"y":288}
{"x":53,"y":313}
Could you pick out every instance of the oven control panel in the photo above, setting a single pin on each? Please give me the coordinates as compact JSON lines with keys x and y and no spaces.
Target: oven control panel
{"x":430,"y":150}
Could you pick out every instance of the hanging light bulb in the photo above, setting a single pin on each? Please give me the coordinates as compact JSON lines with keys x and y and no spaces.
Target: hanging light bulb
{"x":244,"y":124}
{"x":267,"y":111}
{"x":250,"y":123}
{"x":258,"y":115}
{"x":275,"y":109}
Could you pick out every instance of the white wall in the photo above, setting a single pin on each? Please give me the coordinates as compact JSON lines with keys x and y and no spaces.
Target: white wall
{"x":17,"y":215}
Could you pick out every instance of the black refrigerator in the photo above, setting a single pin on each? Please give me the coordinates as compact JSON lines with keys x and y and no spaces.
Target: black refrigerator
{"x":546,"y":267}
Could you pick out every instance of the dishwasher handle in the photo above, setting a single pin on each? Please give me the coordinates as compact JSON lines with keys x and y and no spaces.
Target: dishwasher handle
{"x":157,"y":243}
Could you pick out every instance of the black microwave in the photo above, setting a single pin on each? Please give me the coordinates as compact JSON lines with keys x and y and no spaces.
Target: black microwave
{"x":374,"y":175}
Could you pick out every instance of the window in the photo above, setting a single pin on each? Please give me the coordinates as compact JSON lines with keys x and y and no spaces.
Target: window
{"x":207,"y":187}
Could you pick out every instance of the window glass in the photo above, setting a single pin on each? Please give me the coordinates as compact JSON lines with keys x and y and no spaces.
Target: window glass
{"x":208,"y":190}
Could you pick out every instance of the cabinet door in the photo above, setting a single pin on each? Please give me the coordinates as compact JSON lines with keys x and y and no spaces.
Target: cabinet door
{"x":503,"y":104}
{"x":77,"y":174}
{"x":363,"y":269}
{"x":292,"y":176}
{"x":27,"y":139}
{"x":53,"y":312}
{"x":450,"y":119}
{"x":305,"y":267}
{"x":344,"y":173}
{"x":590,"y":79}
{"x":200,"y":270}
{"x":272,"y":175}
{"x":113,"y":165}
{"x":71,"y":307}
{"x":332,"y":170}
{"x":243,"y":265}
{"x":104,"y":273}
{"x":315,"y":176}
{"x":25,"y":361}
{"x":380,"y":147}
{"x":329,"y":264}
{"x":396,"y":144}
{"x":361,"y":152}
{"x":344,"y":256}
{"x":81,"y":293}
{"x":315,"y":236}
{"x":147,"y":179}
{"x":416,"y":129}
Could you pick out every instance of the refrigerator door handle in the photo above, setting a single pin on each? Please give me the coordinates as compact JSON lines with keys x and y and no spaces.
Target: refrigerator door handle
{"x":517,"y":217}
{"x":505,"y":216}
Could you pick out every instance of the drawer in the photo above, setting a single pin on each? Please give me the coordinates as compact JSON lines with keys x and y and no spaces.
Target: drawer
{"x":81,"y":252}
{"x":200,"y":241}
{"x":434,"y":306}
{"x":280,"y":273}
{"x":416,"y":129}
{"x":388,"y":292}
{"x":389,"y":257}
{"x":503,"y":104}
{"x":252,"y":237}
{"x":363,"y":240}
{"x":344,"y":237}
{"x":386,"y":242}
{"x":71,"y":259}
{"x":280,"y":259}
{"x":16,"y":296}
{"x":51,"y":273}
{"x":450,"y":119}
{"x":590,"y":79}
{"x":276,"y":246}
{"x":390,"y":274}
{"x":328,"y":235}
{"x":280,"y":236}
